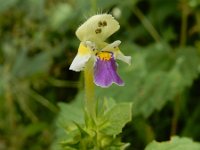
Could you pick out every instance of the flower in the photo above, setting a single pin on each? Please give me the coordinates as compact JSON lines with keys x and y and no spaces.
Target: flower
{"x":92,"y":34}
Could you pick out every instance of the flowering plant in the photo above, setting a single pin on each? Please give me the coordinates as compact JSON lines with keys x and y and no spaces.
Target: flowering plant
{"x":92,"y":35}
{"x":104,"y":119}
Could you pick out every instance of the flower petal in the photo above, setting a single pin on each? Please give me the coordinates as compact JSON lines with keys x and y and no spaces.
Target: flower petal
{"x":97,"y":28}
{"x":114,"y":48}
{"x":79,"y":62}
{"x":105,"y":73}
{"x":81,"y":58}
{"x":119,"y":55}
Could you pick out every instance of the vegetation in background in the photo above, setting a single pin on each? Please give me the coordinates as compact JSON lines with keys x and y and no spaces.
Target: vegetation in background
{"x":38,"y":43}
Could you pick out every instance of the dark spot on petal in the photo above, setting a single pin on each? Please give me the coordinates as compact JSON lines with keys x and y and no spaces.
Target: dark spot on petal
{"x":100,"y":24}
{"x":98,"y":30}
{"x":104,"y":23}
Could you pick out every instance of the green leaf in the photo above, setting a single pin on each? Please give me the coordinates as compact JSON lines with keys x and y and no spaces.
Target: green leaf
{"x":110,"y":120}
{"x":69,"y":117}
{"x":117,"y":117}
{"x":34,"y":128}
{"x":104,"y":106}
{"x":70,"y":113}
{"x":176,"y":143}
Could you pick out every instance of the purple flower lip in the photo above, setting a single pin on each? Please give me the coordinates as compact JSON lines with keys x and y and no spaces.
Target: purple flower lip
{"x":105,"y":70}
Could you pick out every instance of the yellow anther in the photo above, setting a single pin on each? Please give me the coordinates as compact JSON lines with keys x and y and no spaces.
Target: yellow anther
{"x":104,"y":55}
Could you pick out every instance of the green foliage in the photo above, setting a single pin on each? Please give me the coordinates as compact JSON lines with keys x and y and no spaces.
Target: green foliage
{"x":6,"y":4}
{"x":38,"y":43}
{"x":94,"y":133}
{"x":117,"y":117}
{"x":26,"y":58}
{"x":176,"y":143}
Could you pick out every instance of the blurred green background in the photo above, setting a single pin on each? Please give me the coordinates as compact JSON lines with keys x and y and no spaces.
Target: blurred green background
{"x":38,"y":43}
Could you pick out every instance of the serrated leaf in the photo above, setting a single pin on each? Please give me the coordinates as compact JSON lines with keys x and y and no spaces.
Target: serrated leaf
{"x":176,"y":143}
{"x":117,"y":117}
{"x":70,"y":113}
{"x":104,"y":105}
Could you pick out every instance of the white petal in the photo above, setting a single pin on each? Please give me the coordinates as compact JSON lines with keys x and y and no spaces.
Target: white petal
{"x":97,"y":28}
{"x":119,"y":55}
{"x":114,"y":47}
{"x":79,"y":62}
{"x":82,"y":57}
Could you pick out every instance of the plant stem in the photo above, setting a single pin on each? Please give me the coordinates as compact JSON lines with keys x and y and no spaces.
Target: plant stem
{"x":9,"y":100}
{"x":147,"y":24}
{"x":89,"y":89}
{"x":175,"y":117}
{"x":149,"y":133}
{"x":183,"y":39}
{"x":184,"y":18}
{"x":10,"y":108}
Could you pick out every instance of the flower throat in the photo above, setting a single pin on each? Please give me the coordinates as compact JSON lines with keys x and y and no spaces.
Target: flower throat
{"x":103,"y":55}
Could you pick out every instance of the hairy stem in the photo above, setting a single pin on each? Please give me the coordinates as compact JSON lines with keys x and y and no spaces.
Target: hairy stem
{"x":89,"y":89}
